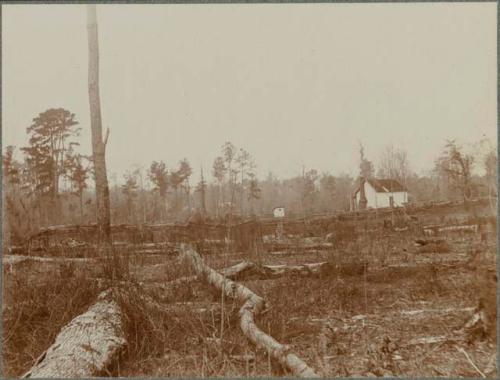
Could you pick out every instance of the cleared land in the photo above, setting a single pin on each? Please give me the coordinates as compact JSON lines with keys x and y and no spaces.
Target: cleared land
{"x":389,"y":303}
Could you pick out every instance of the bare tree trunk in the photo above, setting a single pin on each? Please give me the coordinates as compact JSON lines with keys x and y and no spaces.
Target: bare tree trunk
{"x":81,"y":207}
{"x":188,"y":198}
{"x":98,"y":145}
{"x":218,"y":200}
{"x":203,"y":204}
{"x":143,"y":197}
{"x":242,"y":193}
{"x":493,"y":208}
{"x":176,"y":201}
{"x":164,"y":208}
{"x":7,"y":223}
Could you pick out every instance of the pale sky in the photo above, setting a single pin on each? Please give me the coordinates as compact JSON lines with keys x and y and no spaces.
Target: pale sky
{"x":294,"y":84}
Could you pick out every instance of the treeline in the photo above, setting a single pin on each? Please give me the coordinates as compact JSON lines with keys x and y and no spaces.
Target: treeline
{"x":53,"y":183}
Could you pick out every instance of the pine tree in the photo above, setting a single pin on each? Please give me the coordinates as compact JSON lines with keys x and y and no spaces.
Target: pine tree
{"x":48,"y":155}
{"x":78,"y":175}
{"x":202,"y":188}
{"x":158,"y":175}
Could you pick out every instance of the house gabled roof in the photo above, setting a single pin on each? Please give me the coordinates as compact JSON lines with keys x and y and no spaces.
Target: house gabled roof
{"x":385,"y":185}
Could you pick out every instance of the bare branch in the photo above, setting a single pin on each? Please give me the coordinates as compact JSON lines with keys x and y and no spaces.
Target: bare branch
{"x":106,"y":138}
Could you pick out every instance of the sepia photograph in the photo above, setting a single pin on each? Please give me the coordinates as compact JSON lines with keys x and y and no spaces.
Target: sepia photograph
{"x":249,"y":190}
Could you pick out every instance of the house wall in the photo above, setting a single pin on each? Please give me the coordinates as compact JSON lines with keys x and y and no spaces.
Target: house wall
{"x":371,"y":196}
{"x":383,"y":199}
{"x":379,"y":200}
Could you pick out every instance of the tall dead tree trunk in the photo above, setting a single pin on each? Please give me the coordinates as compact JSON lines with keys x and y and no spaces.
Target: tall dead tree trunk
{"x":98,"y":144}
{"x":80,"y":195}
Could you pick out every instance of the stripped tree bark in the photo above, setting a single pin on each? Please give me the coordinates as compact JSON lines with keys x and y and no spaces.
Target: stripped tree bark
{"x":253,"y":305}
{"x":86,"y":346}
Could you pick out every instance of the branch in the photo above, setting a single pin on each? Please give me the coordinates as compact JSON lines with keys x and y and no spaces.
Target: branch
{"x":253,"y":306}
{"x":459,"y":349}
{"x":106,"y":138}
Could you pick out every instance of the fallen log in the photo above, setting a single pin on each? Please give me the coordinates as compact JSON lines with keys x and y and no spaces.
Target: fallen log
{"x":422,"y":242}
{"x":429,"y":340}
{"x":444,"y":311}
{"x":86,"y":346}
{"x":435,"y":229}
{"x":16,"y":250}
{"x":11,"y":262}
{"x":16,"y":259}
{"x":251,"y":270}
{"x":253,"y":305}
{"x":467,"y":228}
{"x":434,"y":247}
{"x":247,"y":269}
{"x":308,"y":246}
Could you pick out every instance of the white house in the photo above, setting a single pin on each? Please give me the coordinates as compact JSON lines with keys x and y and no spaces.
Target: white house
{"x":382,"y":193}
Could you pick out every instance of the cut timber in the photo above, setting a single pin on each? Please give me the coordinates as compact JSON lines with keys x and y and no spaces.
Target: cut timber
{"x":435,"y":229}
{"x":422,"y":242}
{"x":86,"y":346}
{"x":252,"y":306}
{"x":445,"y":311}
{"x":11,"y":262}
{"x":468,"y":228}
{"x":428,"y":340}
{"x":16,"y":259}
{"x":250,"y":270}
{"x":302,"y":246}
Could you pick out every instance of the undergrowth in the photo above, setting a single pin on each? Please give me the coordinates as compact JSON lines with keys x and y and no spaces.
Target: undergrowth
{"x":35,"y":311}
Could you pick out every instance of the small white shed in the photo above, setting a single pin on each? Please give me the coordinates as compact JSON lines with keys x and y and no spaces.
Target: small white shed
{"x":279,"y":212}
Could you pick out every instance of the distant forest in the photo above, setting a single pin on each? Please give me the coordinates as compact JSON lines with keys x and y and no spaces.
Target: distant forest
{"x":53,"y":183}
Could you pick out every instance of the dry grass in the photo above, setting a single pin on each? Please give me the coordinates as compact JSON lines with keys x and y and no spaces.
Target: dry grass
{"x":35,"y":311}
{"x":166,"y":339}
{"x":351,"y":322}
{"x":374,"y":343}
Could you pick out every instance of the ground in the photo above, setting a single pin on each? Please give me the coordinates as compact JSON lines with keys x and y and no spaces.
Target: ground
{"x":402,"y":315}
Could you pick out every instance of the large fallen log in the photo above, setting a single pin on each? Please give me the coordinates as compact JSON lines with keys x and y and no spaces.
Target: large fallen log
{"x":251,"y":270}
{"x":253,"y":305}
{"x":86,"y":346}
{"x":11,"y":262}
